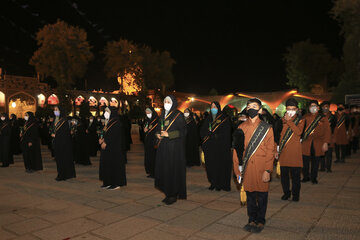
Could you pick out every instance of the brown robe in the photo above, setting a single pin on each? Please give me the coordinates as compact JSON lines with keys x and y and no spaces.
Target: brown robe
{"x":321,"y":135}
{"x":260,"y":161}
{"x":291,"y":155}
{"x":332,"y":138}
{"x":341,"y":135}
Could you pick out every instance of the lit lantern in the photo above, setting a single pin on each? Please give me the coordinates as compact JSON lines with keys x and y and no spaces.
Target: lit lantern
{"x":79,"y":100}
{"x":41,"y":99}
{"x":53,"y":100}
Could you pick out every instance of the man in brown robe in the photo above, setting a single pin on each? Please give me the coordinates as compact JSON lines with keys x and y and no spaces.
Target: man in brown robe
{"x":326,"y":160}
{"x":289,"y":150}
{"x":341,"y":133}
{"x":256,"y":175}
{"x":315,"y":140}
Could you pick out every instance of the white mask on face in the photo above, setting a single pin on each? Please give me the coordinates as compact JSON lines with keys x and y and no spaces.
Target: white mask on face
{"x":107,"y":115}
{"x":167,"y":106}
{"x":149,"y":115}
{"x":91,"y":120}
{"x":2,"y":118}
{"x":186,"y":114}
{"x":291,"y":113}
{"x":313,"y":109}
{"x":26,"y":118}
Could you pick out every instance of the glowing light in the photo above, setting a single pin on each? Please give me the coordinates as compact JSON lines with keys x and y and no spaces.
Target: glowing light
{"x":103,"y":101}
{"x":79,"y":100}
{"x":53,"y":100}
{"x":41,"y":99}
{"x":157,"y":109}
{"x":293,"y":91}
{"x":129,"y":85}
{"x":13,"y":104}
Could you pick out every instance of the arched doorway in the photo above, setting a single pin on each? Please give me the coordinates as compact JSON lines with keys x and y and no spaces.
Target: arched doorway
{"x":20,"y":103}
{"x":53,"y":100}
{"x":2,"y":102}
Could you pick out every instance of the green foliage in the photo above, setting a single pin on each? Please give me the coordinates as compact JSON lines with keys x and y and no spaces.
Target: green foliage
{"x":308,"y":64}
{"x":63,"y":52}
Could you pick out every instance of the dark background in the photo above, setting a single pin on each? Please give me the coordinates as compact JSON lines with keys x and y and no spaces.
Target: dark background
{"x":226,"y":46}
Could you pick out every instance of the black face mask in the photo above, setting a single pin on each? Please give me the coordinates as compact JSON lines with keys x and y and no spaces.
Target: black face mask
{"x":253,"y":112}
{"x":340,"y":109}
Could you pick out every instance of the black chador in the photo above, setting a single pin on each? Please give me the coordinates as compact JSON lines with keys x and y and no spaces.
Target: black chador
{"x":81,"y":153}
{"x":15,"y":138}
{"x":92,"y":138}
{"x":112,"y":164}
{"x":5,"y":136}
{"x":192,"y":140}
{"x":170,"y":167}
{"x":216,"y":135}
{"x":30,"y":144}
{"x":150,"y":126}
{"x":63,"y":148}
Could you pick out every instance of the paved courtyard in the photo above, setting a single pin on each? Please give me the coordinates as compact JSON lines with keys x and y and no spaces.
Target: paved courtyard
{"x":35,"y":206}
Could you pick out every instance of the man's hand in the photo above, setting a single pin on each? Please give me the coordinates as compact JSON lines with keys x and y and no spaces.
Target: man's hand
{"x":103,"y":146}
{"x":29,"y":144}
{"x":146,"y":129}
{"x":287,"y":117}
{"x":101,"y":140}
{"x":276,"y":155}
{"x":164,"y":134}
{"x":158,"y":136}
{"x":53,"y":135}
{"x":266,"y":177}
{"x":325,"y":147}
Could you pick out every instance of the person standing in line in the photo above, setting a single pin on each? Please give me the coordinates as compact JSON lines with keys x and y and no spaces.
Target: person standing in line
{"x":150,"y":125}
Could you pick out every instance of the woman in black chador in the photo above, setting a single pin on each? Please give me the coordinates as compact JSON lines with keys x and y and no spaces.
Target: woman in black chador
{"x":92,"y":137}
{"x":15,"y":138}
{"x":5,"y":136}
{"x":150,"y":124}
{"x":192,"y":140}
{"x":81,"y":153}
{"x":170,"y":167}
{"x":30,"y":144}
{"x":216,"y":135}
{"x":112,"y":163}
{"x":62,"y":147}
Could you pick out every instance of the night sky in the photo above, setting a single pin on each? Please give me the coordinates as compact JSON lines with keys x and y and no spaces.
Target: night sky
{"x":226,"y":46}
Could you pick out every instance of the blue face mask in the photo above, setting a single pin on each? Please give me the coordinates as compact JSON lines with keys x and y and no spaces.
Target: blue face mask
{"x":57,"y":113}
{"x":214,"y":111}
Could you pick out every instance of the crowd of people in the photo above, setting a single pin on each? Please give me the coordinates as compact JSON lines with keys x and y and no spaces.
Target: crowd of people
{"x":242,"y":146}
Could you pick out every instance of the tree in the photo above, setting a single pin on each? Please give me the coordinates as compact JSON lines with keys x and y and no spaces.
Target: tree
{"x":308,"y":64}
{"x":63,"y":53}
{"x":157,"y":69}
{"x":121,"y":59}
{"x":347,"y":13}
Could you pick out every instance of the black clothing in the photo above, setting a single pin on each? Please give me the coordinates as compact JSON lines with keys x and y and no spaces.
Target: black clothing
{"x":256,"y":206}
{"x":295,"y":173}
{"x":192,"y":142}
{"x":5,"y":140}
{"x":92,"y":139}
{"x":81,"y":152}
{"x":149,"y":141}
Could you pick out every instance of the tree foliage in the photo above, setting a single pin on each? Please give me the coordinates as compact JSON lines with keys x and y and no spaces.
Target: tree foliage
{"x":308,"y":63}
{"x":63,"y":53}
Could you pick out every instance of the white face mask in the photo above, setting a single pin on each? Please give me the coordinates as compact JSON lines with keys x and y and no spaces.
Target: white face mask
{"x":186,"y":114}
{"x":313,"y":109}
{"x":107,"y":115}
{"x":291,"y":113}
{"x":149,"y":115}
{"x":167,"y":106}
{"x":3,"y":119}
{"x":91,"y":120}
{"x":26,"y":118}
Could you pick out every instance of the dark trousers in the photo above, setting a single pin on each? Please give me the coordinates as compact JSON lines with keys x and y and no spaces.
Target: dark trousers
{"x":256,"y":206}
{"x":328,"y":159}
{"x":355,"y":144}
{"x":295,"y":173}
{"x":340,"y":151}
{"x":322,"y":163}
{"x":314,"y":167}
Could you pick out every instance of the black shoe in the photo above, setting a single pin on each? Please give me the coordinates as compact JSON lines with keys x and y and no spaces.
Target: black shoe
{"x":212,"y":187}
{"x":337,"y":161}
{"x":218,"y":189}
{"x":258,"y":228}
{"x":113,"y":187}
{"x":305,"y":180}
{"x":248,"y":227}
{"x":226,"y":189}
{"x":285,"y":197}
{"x":59,"y":179}
{"x":295,"y":199}
{"x":314,"y":181}
{"x":165,"y":200}
{"x":322,"y":170}
{"x":170,"y":200}
{"x":105,"y":186}
{"x":329,"y":171}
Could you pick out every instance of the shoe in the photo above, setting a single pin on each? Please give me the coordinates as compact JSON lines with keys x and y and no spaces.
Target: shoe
{"x":59,"y":179}
{"x":295,"y":199}
{"x":4,"y":166}
{"x":337,"y":161}
{"x":314,"y":181}
{"x":258,"y":228}
{"x":285,"y":197}
{"x":248,"y":227}
{"x":226,"y":189}
{"x":148,"y":176}
{"x":329,"y":171}
{"x":305,"y":180}
{"x":322,"y":170}
{"x":105,"y":186}
{"x":170,"y":200}
{"x":218,"y":189}
{"x":165,"y":200}
{"x":212,"y":187}
{"x":113,"y":187}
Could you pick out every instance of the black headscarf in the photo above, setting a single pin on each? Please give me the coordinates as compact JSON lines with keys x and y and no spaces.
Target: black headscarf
{"x":6,"y":117}
{"x":31,"y":117}
{"x":217,"y":104}
{"x":153,"y":113}
{"x":113,"y":112}
{"x":173,"y":107}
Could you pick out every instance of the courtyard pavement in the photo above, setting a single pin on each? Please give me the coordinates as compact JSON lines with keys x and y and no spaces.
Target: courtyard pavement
{"x":35,"y":206}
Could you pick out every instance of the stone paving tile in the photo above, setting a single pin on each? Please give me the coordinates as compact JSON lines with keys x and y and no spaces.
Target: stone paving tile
{"x":27,"y":226}
{"x":129,"y":209}
{"x":101,"y":204}
{"x":8,"y":218}
{"x":154,"y":234}
{"x":4,"y":235}
{"x":271,"y":233}
{"x":67,"y":230}
{"x":163,"y":213}
{"x":106,"y":217}
{"x":224,"y":232}
{"x":185,"y":225}
{"x":185,"y":205}
{"x":26,"y":237}
{"x":126,"y":228}
{"x":72,"y":212}
{"x":87,"y":236}
{"x":236,"y":219}
{"x":223,"y":206}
